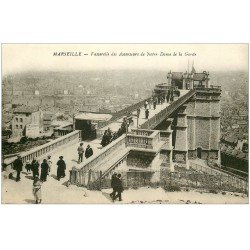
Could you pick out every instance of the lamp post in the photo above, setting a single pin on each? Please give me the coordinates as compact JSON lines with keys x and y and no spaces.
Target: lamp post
{"x":138,"y":114}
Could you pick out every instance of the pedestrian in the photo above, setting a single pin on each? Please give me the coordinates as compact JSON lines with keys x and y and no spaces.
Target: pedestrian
{"x":61,"y":168}
{"x":113,"y":185}
{"x":49,"y":163}
{"x":119,"y":188}
{"x":104,"y":139}
{"x":109,"y":136}
{"x":171,"y":96}
{"x":37,"y":192}
{"x":18,"y":166}
{"x":44,"y":170}
{"x":80,"y":151}
{"x":138,"y":111}
{"x":168,"y":96}
{"x":149,"y":103}
{"x":88,"y":152}
{"x":146,"y":113}
{"x":35,"y":167}
{"x":28,"y":166}
{"x":155,"y":102}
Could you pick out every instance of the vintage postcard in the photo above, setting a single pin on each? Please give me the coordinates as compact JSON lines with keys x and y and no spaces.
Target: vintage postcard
{"x":124,"y":124}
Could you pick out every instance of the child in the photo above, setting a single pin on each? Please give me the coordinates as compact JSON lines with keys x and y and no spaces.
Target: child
{"x":28,"y":166}
{"x":37,"y":189}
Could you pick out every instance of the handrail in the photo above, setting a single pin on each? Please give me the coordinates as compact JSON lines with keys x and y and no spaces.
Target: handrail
{"x":47,"y":147}
{"x":168,"y":110}
{"x":103,"y":152}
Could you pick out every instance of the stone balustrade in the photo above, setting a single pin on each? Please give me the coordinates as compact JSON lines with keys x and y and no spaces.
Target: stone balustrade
{"x":111,"y":148}
{"x":46,"y":148}
{"x":143,"y":141}
{"x":163,"y":114}
{"x":110,"y":156}
{"x":81,"y":176}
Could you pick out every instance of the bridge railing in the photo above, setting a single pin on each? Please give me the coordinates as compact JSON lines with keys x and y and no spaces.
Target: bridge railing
{"x":46,"y":148}
{"x":80,"y":176}
{"x":111,"y":155}
{"x":143,"y":141}
{"x":124,"y":112}
{"x":153,"y":121}
{"x":231,"y":179}
{"x":144,"y":132}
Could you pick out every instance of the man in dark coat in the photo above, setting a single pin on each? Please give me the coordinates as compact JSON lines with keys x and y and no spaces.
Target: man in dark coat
{"x":119,"y":188}
{"x":146,"y":113}
{"x":18,"y":166}
{"x":28,"y":166}
{"x":113,"y":185}
{"x":168,"y":96}
{"x":154,"y":103}
{"x":61,"y":168}
{"x":44,"y":170}
{"x":35,"y":168}
{"x":88,"y":152}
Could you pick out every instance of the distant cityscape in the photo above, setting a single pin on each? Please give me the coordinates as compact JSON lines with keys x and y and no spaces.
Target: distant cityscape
{"x":42,"y":105}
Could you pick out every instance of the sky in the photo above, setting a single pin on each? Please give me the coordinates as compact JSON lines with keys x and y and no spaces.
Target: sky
{"x":211,"y":57}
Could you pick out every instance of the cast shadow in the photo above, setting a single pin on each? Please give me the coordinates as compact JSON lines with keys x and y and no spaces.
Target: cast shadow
{"x":29,"y":201}
{"x":107,"y":196}
{"x":29,"y":177}
{"x":66,"y":184}
{"x":54,"y":176}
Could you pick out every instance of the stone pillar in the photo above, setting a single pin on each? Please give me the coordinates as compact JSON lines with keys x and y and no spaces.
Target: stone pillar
{"x":208,"y":83}
{"x":169,"y":77}
{"x":184,"y":80}
{"x":170,"y":146}
{"x":191,"y":84}
{"x":181,"y":142}
{"x":167,"y":149}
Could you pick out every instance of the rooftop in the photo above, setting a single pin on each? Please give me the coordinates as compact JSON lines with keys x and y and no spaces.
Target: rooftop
{"x":199,"y":76}
{"x":93,"y":117}
{"x":25,"y":110}
{"x":177,"y":75}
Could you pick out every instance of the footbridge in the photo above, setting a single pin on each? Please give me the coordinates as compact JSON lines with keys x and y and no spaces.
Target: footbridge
{"x":192,"y":131}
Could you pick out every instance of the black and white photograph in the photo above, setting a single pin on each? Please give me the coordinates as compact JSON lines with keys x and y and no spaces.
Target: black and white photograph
{"x":125,"y":124}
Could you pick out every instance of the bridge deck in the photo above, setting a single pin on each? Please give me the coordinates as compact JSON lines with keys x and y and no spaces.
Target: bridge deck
{"x":114,"y":126}
{"x":70,"y":151}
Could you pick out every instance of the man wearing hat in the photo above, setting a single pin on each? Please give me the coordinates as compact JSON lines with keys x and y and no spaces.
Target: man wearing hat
{"x":88,"y":152}
{"x":18,"y":166}
{"x":61,"y":167}
{"x":114,"y":182}
{"x":80,"y":151}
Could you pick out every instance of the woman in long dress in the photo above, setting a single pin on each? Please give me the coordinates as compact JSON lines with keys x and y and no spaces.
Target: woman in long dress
{"x":35,"y":167}
{"x":61,"y":168}
{"x":37,"y":192}
{"x":44,"y":170}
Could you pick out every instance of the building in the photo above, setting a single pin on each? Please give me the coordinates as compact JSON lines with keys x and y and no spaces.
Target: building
{"x":61,"y":128}
{"x":27,"y":121}
{"x":47,"y":120}
{"x":196,"y":124}
{"x":89,"y":123}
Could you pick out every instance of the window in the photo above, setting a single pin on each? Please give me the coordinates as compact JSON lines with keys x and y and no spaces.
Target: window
{"x":17,"y":126}
{"x":21,"y":126}
{"x":16,"y":119}
{"x":21,"y":119}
